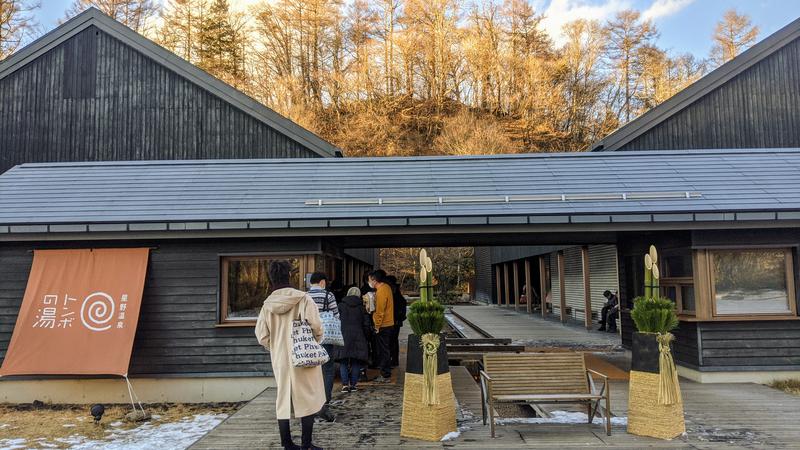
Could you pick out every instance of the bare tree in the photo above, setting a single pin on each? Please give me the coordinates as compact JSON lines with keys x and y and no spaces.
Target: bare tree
{"x":16,"y":24}
{"x":733,"y":34}
{"x":134,"y":14}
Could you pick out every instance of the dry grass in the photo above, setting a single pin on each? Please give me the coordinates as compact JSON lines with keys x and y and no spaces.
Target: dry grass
{"x":60,"y":421}
{"x":789,"y":386}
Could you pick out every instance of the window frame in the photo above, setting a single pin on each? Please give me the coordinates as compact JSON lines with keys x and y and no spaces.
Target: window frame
{"x":678,"y":283}
{"x":222,"y":290}
{"x":791,"y":296}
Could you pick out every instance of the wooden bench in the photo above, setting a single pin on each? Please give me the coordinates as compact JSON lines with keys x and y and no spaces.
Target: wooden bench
{"x":542,"y":378}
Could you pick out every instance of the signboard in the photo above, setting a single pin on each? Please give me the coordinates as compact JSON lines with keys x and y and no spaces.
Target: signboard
{"x":79,"y":313}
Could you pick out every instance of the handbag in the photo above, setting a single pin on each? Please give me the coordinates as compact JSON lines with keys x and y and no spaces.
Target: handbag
{"x":332,"y":326}
{"x":306,"y":351}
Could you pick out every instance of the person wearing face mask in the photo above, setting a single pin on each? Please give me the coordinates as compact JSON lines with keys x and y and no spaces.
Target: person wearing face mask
{"x":325,"y":301}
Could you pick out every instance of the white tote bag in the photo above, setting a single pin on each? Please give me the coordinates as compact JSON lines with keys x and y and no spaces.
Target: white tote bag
{"x":306,"y":351}
{"x":331,"y":325}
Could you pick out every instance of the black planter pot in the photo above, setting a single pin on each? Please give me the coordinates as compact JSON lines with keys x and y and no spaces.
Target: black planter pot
{"x":644,"y":353}
{"x":414,"y":358}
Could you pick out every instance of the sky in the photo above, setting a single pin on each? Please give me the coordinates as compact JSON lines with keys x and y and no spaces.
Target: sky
{"x":685,"y":25}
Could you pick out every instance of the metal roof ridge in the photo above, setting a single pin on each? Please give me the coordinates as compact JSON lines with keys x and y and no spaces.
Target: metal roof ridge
{"x":374,"y":159}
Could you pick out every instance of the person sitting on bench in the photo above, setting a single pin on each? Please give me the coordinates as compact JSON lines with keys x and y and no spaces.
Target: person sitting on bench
{"x":608,"y":315}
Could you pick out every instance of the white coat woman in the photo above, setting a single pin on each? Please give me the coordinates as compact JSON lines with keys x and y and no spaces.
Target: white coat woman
{"x":300,"y":389}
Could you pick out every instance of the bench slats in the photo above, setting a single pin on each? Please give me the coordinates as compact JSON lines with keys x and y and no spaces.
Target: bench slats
{"x":545,"y":397}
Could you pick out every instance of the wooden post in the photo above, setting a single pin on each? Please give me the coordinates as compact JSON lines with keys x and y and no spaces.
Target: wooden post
{"x":543,"y":285}
{"x":507,"y":285}
{"x":516,"y":285}
{"x":528,"y":286}
{"x":499,"y":286}
{"x":587,"y":292}
{"x":562,"y":294}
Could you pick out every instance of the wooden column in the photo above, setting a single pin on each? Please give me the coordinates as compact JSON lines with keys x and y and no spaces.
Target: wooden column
{"x":516,"y":285}
{"x":543,"y":284}
{"x":562,"y":294}
{"x":528,"y":286}
{"x":498,"y":284}
{"x":587,"y":292}
{"x":507,"y":285}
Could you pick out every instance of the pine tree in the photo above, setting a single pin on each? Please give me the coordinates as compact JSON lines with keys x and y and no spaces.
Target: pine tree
{"x":220,"y":51}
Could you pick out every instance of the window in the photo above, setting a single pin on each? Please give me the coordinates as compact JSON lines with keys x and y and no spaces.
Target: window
{"x":677,"y":282}
{"x":752,"y":281}
{"x":245,"y":284}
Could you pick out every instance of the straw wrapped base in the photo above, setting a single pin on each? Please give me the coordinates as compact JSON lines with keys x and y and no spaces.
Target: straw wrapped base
{"x":645,"y":416}
{"x":428,"y":422}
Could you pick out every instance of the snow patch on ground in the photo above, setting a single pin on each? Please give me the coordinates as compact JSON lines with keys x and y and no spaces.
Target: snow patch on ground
{"x":463,"y":419}
{"x":9,"y":444}
{"x":450,"y":436}
{"x":567,"y":417}
{"x":148,"y":436}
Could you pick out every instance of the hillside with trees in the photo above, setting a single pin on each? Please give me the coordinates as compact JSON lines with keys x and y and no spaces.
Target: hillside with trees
{"x":420,"y":77}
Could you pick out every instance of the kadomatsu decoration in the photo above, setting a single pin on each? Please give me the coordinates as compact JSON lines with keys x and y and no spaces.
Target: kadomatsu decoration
{"x":429,"y":410}
{"x":655,"y":407}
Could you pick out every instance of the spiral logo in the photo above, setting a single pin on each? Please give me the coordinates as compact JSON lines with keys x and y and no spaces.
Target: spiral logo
{"x":97,"y":311}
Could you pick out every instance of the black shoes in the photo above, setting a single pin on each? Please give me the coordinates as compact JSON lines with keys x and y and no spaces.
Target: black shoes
{"x":312,"y":447}
{"x":325,"y":414}
{"x":603,"y":328}
{"x":346,"y":389}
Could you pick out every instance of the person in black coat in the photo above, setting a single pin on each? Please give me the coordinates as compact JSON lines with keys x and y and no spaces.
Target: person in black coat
{"x":400,"y":305}
{"x":356,"y":326}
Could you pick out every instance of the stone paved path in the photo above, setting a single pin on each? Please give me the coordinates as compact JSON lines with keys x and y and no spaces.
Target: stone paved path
{"x":717,"y":416}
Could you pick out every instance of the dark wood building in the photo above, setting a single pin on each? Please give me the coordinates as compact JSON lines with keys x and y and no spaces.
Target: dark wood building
{"x":752,"y":101}
{"x":94,"y":90}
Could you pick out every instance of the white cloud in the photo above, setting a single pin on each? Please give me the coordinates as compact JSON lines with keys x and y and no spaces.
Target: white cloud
{"x":560,"y":12}
{"x":664,"y":8}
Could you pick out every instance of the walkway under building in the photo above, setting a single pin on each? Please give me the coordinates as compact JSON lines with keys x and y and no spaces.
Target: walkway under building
{"x":717,"y":415}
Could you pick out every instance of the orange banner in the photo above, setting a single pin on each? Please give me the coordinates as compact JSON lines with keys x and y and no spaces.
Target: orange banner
{"x":79,"y":313}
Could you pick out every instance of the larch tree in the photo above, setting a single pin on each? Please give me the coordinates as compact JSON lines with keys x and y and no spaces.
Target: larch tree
{"x":733,"y":34}
{"x":17,"y":23}
{"x":629,"y":37}
{"x":135,"y":14}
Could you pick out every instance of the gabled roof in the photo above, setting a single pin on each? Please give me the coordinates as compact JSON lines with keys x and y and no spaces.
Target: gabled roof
{"x":94,"y":17}
{"x":559,"y":188}
{"x":699,"y":88}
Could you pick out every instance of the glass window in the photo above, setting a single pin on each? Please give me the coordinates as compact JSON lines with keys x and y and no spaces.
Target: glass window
{"x":676,"y":266}
{"x":687,"y":298}
{"x":751,"y":281}
{"x":246,"y":285}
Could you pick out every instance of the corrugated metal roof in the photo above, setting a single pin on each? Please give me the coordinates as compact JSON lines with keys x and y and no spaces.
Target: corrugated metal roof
{"x":727,"y":181}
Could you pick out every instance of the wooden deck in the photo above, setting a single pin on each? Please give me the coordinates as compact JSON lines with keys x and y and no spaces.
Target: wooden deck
{"x":717,"y":416}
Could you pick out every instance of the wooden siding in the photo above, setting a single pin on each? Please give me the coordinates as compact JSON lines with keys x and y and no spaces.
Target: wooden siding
{"x":177,"y":332}
{"x":555,"y":285}
{"x":129,"y":107}
{"x":764,"y":344}
{"x":756,"y":109}
{"x":484,"y":286}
